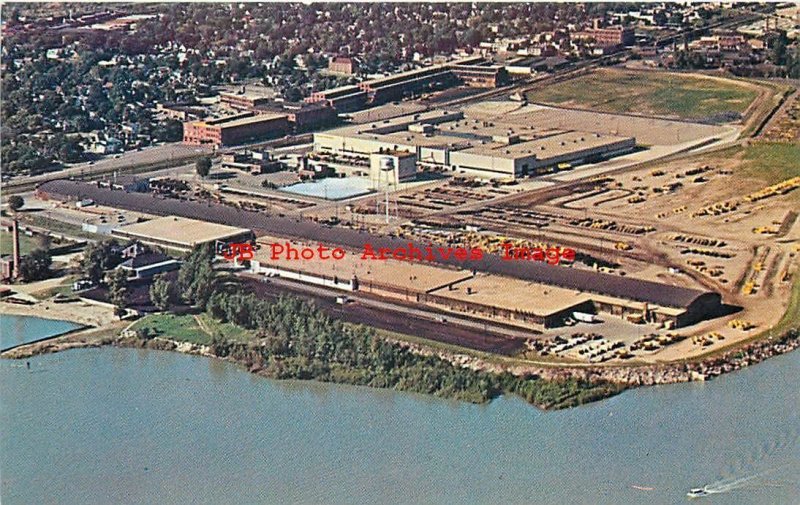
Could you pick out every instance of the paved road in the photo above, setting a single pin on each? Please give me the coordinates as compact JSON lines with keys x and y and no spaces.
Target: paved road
{"x":127,"y":163}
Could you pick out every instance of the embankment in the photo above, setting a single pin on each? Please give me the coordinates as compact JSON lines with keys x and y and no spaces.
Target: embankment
{"x":618,"y":378}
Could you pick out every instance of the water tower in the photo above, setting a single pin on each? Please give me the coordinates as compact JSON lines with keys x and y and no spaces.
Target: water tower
{"x":387,"y":167}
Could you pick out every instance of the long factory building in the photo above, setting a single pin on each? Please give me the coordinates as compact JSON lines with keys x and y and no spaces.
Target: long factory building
{"x":236,"y":129}
{"x":473,"y":71}
{"x":449,"y":141}
{"x":607,"y":293}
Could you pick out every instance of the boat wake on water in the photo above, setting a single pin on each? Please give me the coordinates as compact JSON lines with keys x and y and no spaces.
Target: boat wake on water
{"x":727,"y":485}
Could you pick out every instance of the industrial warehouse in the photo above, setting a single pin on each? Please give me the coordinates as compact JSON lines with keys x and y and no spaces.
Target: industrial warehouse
{"x":542,"y":297}
{"x":237,"y":129}
{"x":182,"y":234}
{"x":472,"y":71}
{"x":492,"y":287}
{"x":452,"y":142}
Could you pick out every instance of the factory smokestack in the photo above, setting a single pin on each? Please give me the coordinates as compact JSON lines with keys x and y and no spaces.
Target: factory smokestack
{"x":15,"y":253}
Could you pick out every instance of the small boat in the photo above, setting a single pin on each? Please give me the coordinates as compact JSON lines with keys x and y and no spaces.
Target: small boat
{"x":697,"y":492}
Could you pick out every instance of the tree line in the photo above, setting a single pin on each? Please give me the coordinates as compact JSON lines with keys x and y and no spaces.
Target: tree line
{"x":297,"y":340}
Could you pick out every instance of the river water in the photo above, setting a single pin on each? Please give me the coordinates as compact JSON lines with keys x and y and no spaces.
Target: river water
{"x":132,"y":426}
{"x":16,"y":330}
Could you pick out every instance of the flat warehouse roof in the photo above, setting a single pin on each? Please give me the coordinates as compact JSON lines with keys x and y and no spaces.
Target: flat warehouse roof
{"x":412,"y":275}
{"x":180,"y":230}
{"x":260,"y":118}
{"x":549,"y":147}
{"x":514,"y":294}
{"x":459,"y":134}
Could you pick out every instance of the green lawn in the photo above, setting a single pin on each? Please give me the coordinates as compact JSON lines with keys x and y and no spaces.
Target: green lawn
{"x":185,"y":328}
{"x":771,"y":162}
{"x":791,"y":318}
{"x":63,"y":288}
{"x":58,"y":227}
{"x":658,"y":93}
{"x":26,"y":243}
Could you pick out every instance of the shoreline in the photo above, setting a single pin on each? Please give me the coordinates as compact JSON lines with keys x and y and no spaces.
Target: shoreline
{"x":621,"y":377}
{"x":640,"y":375}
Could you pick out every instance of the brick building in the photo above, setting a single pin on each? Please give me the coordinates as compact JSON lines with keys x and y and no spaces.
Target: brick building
{"x":612,"y":36}
{"x":302,"y":115}
{"x":342,"y":99}
{"x":239,"y":129}
{"x":242,"y":101}
{"x":481,"y":76}
{"x":343,"y":65}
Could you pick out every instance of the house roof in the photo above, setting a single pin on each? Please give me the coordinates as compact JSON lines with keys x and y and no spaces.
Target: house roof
{"x":145,"y":260}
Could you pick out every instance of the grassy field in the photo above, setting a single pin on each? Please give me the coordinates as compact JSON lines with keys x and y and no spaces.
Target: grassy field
{"x":790,"y":319}
{"x":771,"y":162}
{"x":187,"y":329}
{"x":658,"y":93}
{"x":59,"y":227}
{"x":64,"y":287}
{"x":26,"y":243}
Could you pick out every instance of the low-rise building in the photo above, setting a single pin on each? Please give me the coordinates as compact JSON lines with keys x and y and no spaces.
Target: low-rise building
{"x":239,"y":129}
{"x":342,"y":99}
{"x":254,"y":163}
{"x":243,"y":100}
{"x":611,"y":36}
{"x":343,"y":65}
{"x":182,"y":234}
{"x":303,"y":116}
{"x":147,"y":265}
{"x":481,"y":76}
{"x":449,"y":141}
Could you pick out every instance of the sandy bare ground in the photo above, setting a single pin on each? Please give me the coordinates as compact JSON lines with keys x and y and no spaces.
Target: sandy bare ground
{"x":80,"y":312}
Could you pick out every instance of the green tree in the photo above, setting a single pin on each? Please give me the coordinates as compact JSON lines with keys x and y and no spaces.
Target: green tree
{"x":97,"y":258}
{"x":161,"y":292}
{"x":118,"y":290}
{"x":780,"y":43}
{"x":15,"y":202}
{"x":203,"y":166}
{"x":170,"y":130}
{"x":793,"y":63}
{"x":36,"y":265}
{"x":198,"y":281}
